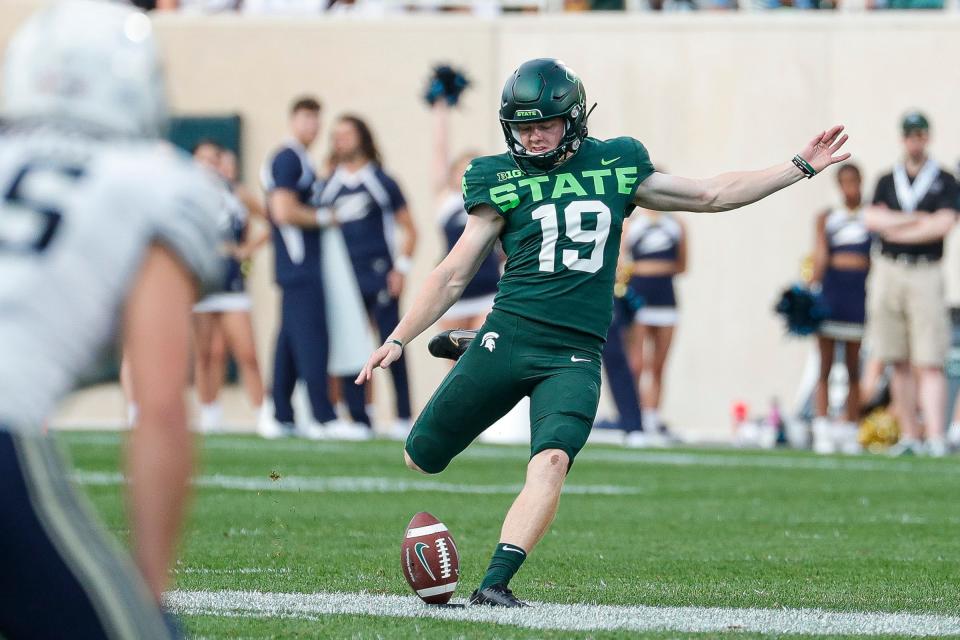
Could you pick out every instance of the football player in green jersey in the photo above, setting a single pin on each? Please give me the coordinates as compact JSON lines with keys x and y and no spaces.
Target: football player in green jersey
{"x":557,"y":201}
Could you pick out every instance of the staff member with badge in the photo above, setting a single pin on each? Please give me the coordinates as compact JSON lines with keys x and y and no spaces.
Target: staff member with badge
{"x":913,"y":209}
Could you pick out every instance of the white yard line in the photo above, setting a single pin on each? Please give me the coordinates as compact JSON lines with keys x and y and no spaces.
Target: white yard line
{"x":353,"y":484}
{"x":239,"y":571}
{"x":570,"y":617}
{"x":713,"y":458}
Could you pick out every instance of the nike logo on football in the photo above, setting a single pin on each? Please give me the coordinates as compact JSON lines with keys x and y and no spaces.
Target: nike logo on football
{"x":418,"y":549}
{"x":606,"y":162}
{"x":576,"y":359}
{"x":514,"y":549}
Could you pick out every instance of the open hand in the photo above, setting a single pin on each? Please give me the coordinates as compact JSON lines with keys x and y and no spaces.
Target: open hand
{"x":383,"y":358}
{"x":821,"y":151}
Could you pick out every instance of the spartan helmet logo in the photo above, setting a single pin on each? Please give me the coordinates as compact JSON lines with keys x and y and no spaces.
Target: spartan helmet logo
{"x":489,"y":341}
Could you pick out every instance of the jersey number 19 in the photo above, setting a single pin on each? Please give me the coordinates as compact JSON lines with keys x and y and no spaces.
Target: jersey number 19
{"x":573,"y":224}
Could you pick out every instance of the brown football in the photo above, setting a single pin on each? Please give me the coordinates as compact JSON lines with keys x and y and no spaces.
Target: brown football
{"x":429,"y":559}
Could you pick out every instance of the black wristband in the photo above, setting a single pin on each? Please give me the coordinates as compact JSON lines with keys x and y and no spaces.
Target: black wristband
{"x":805,"y":167}
{"x":396,"y":342}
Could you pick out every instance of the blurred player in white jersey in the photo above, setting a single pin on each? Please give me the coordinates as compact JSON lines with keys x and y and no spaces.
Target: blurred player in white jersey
{"x":100,"y":227}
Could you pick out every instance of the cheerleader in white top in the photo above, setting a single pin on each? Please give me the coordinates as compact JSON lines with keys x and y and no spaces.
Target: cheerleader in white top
{"x":471,"y":310}
{"x":222,"y":320}
{"x":841,"y":263}
{"x":657,"y":245}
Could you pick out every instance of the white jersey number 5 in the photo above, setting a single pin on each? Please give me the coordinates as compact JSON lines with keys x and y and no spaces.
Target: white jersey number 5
{"x":573,"y":222}
{"x":29,"y":220}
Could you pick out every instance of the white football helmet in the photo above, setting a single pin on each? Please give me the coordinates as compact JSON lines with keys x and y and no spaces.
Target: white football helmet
{"x":87,"y":61}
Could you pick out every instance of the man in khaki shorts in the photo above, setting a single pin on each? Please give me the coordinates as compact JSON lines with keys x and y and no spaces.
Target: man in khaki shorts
{"x":913,"y":209}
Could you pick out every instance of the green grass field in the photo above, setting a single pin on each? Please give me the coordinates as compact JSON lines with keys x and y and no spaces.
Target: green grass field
{"x":678,"y":528}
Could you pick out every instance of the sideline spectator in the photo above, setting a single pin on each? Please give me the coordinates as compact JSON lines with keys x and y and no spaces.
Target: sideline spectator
{"x":222,"y":319}
{"x":369,"y":207}
{"x":471,"y":310}
{"x":841,"y":262}
{"x":906,"y":312}
{"x":302,"y":350}
{"x":657,"y":243}
{"x":624,"y":386}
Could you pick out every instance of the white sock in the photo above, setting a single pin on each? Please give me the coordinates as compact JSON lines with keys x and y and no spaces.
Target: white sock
{"x":211,"y":414}
{"x":651,"y":420}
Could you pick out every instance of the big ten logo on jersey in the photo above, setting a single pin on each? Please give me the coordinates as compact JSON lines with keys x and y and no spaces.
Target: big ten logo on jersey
{"x":591,"y":182}
{"x":31,"y":208}
{"x":506,"y":175}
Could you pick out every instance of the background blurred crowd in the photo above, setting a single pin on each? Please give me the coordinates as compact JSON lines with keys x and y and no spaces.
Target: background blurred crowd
{"x":379,"y":8}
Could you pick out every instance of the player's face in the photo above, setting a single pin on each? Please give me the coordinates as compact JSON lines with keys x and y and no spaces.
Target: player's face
{"x":915,"y":143}
{"x":346,"y":139}
{"x":850,"y":186}
{"x":305,"y":125}
{"x":540,"y":137}
{"x":208,"y":156}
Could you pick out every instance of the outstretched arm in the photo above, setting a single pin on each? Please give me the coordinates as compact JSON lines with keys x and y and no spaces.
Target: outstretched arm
{"x":442,"y":287}
{"x":441,"y":144}
{"x":732,"y":190}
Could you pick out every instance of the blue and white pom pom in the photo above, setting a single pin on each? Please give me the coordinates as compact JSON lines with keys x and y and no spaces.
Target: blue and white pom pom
{"x":802,"y":309}
{"x":446,"y":83}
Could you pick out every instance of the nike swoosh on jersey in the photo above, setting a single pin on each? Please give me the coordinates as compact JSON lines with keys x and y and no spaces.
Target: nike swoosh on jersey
{"x":605,"y":162}
{"x":576,"y":359}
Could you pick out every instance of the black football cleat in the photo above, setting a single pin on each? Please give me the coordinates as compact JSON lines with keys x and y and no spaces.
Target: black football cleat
{"x":451,"y":344}
{"x":498,"y":595}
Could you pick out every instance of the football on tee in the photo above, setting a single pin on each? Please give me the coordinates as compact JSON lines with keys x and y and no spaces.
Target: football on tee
{"x":430,"y":560}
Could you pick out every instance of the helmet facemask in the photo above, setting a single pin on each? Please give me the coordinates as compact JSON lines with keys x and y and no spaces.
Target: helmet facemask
{"x":575,"y":130}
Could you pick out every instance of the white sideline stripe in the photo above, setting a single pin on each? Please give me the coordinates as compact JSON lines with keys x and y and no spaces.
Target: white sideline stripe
{"x":416,"y":532}
{"x":568,"y":617}
{"x":351,"y":484}
{"x":231,"y":572}
{"x":713,"y":458}
{"x":432,"y":591}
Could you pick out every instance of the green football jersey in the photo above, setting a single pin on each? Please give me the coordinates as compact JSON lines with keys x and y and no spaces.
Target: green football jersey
{"x":562,"y":231}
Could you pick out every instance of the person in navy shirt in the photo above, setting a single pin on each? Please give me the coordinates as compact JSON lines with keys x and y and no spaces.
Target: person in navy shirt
{"x":841,"y":263}
{"x":369,"y":207}
{"x":471,"y":309}
{"x":222,"y":319}
{"x":302,"y":351}
{"x":657,"y":245}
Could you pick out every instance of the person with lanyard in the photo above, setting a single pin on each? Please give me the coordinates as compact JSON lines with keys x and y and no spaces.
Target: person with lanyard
{"x":913,"y":209}
{"x":303,"y":346}
{"x":657,"y":244}
{"x":841,"y":262}
{"x":369,"y":207}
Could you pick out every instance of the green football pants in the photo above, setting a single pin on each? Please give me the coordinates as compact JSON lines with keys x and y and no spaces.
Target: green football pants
{"x":512,"y":357}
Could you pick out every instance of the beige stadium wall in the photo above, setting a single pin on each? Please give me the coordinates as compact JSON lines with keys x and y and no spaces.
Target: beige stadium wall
{"x":706,"y":93}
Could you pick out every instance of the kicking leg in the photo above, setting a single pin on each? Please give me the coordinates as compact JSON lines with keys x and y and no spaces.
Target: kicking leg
{"x":527,"y":521}
{"x":562,"y":409}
